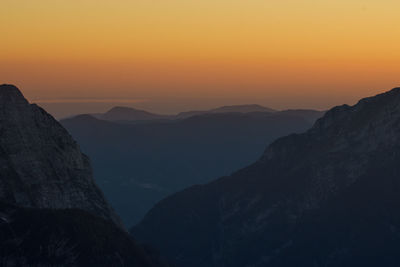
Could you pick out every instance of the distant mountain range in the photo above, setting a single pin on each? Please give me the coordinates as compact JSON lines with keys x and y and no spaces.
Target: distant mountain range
{"x":326,"y":197}
{"x":137,"y":164}
{"x":228,"y":109}
{"x":129,"y":114}
{"x":132,"y":114}
{"x":51,"y":211}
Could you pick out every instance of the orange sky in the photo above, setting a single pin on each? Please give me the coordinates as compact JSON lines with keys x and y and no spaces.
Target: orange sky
{"x":281,"y":53}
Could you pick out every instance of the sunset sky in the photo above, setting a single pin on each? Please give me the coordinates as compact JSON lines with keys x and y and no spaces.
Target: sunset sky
{"x":280,"y":53}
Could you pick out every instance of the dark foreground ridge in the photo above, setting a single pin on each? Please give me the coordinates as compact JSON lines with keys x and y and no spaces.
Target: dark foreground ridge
{"x":328,"y":197}
{"x":41,"y":166}
{"x":51,"y":211}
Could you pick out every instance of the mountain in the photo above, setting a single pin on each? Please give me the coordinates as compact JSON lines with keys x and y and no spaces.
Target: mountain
{"x":129,"y":114}
{"x":137,"y":165}
{"x":242,"y":109}
{"x":227,"y":109}
{"x":326,"y":197}
{"x":41,"y":165}
{"x":132,"y":115}
{"x":51,"y":211}
{"x":67,"y":237}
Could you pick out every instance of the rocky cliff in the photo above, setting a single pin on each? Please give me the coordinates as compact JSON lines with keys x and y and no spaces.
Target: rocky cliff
{"x":41,"y":166}
{"x":51,"y":211}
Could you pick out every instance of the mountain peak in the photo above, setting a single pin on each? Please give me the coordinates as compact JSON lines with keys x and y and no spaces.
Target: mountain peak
{"x":396,"y":90}
{"x":121,"y":109}
{"x":41,"y":165}
{"x":10,"y":94}
{"x":369,"y":111}
{"x":120,"y":113}
{"x":243,"y":108}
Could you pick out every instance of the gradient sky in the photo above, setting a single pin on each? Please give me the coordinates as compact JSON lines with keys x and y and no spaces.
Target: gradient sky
{"x":281,"y":53}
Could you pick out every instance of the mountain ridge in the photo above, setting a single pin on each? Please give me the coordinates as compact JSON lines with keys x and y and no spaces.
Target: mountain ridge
{"x":129,"y":114}
{"x":227,"y":109}
{"x":315,"y":198}
{"x":51,"y":211}
{"x":64,"y":181}
{"x":120,"y":113}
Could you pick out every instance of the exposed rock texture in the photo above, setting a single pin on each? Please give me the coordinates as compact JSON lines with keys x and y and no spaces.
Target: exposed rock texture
{"x":328,"y":197}
{"x":51,"y":211}
{"x":41,"y":166}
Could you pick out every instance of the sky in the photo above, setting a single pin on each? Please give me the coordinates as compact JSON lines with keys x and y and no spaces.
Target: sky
{"x":170,"y":55}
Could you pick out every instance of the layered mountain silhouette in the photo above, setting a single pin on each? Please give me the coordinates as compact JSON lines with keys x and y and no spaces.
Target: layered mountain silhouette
{"x":227,"y":109}
{"x":51,"y":211}
{"x":138,"y":164}
{"x":327,"y":197}
{"x":129,"y":114}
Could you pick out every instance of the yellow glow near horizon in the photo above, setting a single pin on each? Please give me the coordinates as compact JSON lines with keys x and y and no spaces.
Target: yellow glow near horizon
{"x":249,"y":49}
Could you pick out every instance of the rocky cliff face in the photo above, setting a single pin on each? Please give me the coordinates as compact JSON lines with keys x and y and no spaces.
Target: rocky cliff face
{"x":51,"y":211}
{"x":41,"y":166}
{"x":328,"y":197}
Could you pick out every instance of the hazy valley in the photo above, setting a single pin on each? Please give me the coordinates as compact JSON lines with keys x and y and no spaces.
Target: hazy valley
{"x":140,"y":158}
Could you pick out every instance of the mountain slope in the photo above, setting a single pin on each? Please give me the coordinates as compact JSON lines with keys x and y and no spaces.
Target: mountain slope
{"x":51,"y":211}
{"x":40,"y":164}
{"x":137,"y":165}
{"x":328,"y":197}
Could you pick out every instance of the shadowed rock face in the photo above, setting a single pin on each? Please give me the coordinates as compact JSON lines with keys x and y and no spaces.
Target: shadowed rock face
{"x":51,"y":211}
{"x":328,"y":197}
{"x":41,"y":166}
{"x":70,"y":237}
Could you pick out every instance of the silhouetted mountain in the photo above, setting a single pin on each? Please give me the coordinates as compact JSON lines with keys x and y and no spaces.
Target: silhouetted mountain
{"x":137,"y":165}
{"x":227,"y":109}
{"x":242,"y":109}
{"x":40,"y":164}
{"x":132,"y":115}
{"x":327,"y":197}
{"x":52,"y":213}
{"x":129,"y":114}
